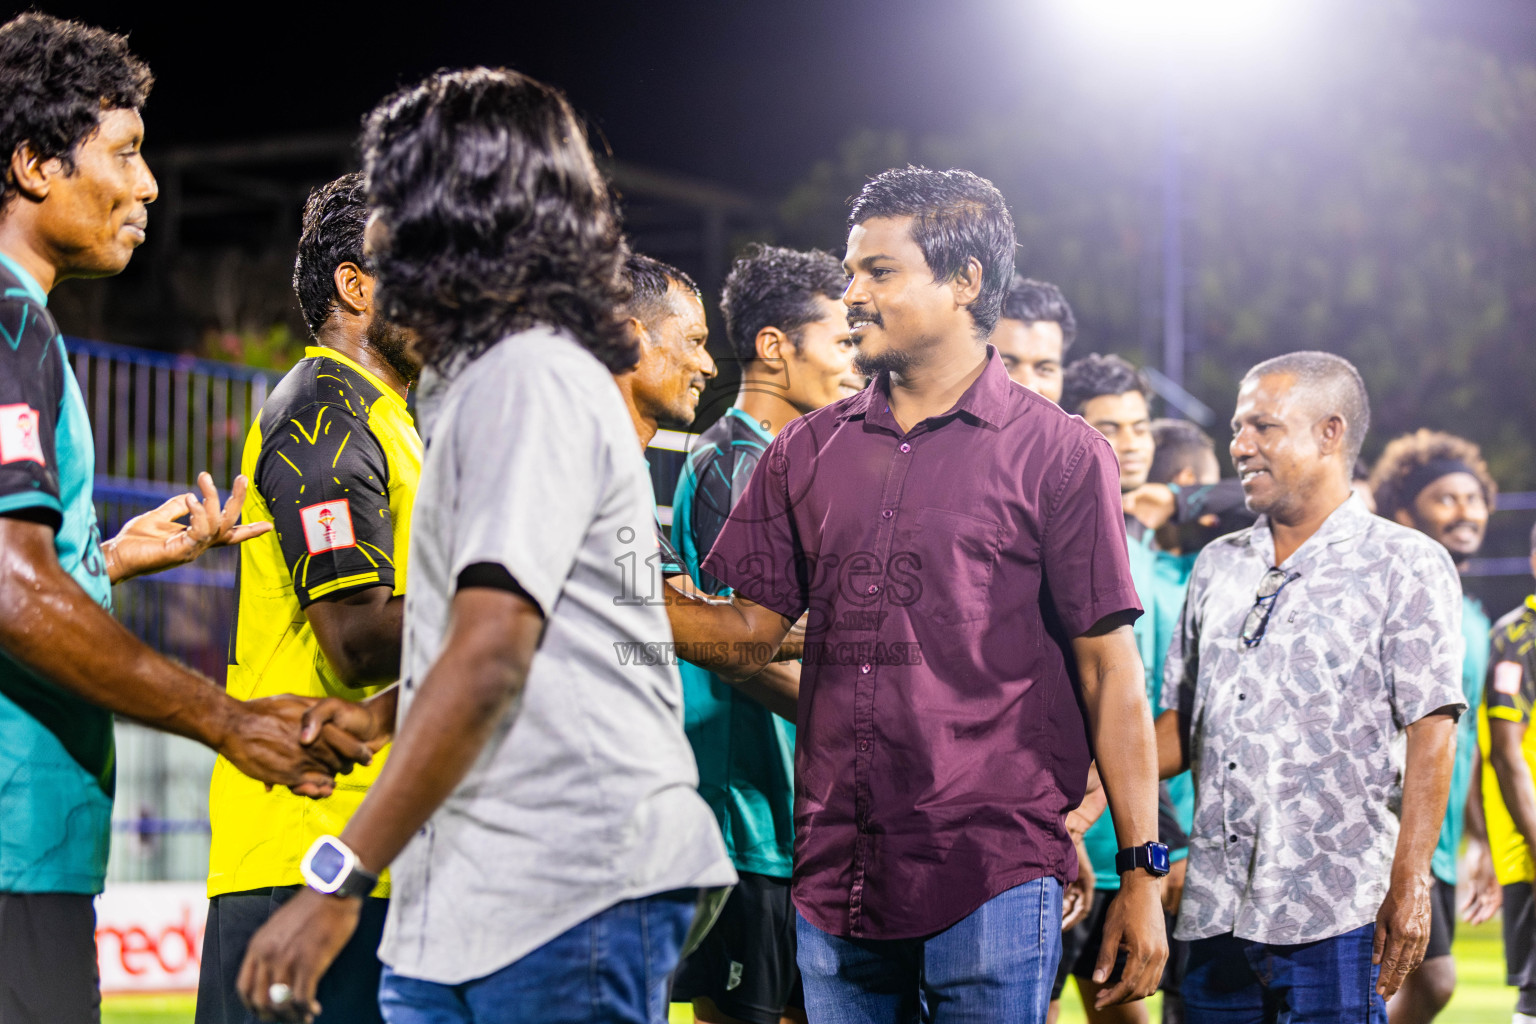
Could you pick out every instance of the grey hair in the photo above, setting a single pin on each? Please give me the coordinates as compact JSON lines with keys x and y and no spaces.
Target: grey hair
{"x":1333,"y":386}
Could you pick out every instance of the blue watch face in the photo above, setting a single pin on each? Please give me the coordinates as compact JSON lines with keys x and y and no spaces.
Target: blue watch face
{"x":1159,"y":854}
{"x":328,"y":862}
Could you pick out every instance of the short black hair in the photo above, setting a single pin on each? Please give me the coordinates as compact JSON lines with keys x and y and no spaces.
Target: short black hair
{"x":493,"y":218}
{"x":56,"y":77}
{"x":771,"y":286}
{"x":1040,"y":302}
{"x":1179,"y":445}
{"x":649,"y":280}
{"x":1094,"y":376}
{"x":334,"y":218}
{"x":1334,"y":387}
{"x":956,"y":215}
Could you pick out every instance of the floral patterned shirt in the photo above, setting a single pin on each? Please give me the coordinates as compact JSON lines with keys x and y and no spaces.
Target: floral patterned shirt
{"x":1297,"y":743}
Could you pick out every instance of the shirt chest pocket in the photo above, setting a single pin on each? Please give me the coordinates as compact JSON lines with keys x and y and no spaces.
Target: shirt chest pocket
{"x":958,"y":553}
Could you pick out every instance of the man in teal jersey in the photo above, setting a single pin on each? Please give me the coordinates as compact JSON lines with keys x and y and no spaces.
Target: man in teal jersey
{"x":1438,"y":484}
{"x":73,"y":204}
{"x":788,"y":328}
{"x":1112,"y":396}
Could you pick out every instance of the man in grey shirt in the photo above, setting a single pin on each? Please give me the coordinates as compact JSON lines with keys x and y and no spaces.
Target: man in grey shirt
{"x":539,"y":810}
{"x":1309,"y":644}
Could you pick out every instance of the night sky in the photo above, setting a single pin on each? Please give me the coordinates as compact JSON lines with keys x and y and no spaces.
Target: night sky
{"x":745,"y":94}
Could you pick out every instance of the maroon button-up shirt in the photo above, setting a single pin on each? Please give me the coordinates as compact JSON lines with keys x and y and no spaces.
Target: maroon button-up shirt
{"x":941,"y":742}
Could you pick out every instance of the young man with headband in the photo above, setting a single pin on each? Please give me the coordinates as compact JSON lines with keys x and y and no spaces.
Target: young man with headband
{"x":1438,"y":484}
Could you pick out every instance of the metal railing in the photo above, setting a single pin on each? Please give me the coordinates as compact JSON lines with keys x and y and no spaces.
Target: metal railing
{"x":162,"y":417}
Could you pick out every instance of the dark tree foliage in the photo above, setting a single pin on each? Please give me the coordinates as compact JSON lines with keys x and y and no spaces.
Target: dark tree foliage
{"x":1377,"y":200}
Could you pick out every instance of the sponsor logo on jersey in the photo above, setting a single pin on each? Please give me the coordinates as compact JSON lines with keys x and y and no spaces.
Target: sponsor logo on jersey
{"x":328,"y":526}
{"x":20,"y":435}
{"x":1506,"y":677}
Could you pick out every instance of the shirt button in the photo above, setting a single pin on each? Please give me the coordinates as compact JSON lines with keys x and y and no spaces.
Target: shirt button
{"x":863,"y":744}
{"x":874,"y":588}
{"x":906,"y":448}
{"x":1231,"y":839}
{"x":1242,"y":696}
{"x":886,"y":514}
{"x":1231,"y":766}
{"x":864,"y":668}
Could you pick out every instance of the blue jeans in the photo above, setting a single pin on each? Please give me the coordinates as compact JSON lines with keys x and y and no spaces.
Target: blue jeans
{"x":612,"y":968}
{"x":995,"y":965}
{"x":1331,"y":981}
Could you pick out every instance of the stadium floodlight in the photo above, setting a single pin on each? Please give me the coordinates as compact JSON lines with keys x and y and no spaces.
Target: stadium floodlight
{"x":1180,"y":41}
{"x":1201,"y":23}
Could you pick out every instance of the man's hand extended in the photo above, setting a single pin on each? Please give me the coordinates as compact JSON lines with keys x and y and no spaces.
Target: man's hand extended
{"x":1402,"y":931}
{"x":1483,"y":896}
{"x":1133,"y":925}
{"x":263,"y":741}
{"x":1077,"y":897}
{"x":158,"y":540}
{"x":371,"y":720}
{"x":1402,"y":923}
{"x":295,"y":947}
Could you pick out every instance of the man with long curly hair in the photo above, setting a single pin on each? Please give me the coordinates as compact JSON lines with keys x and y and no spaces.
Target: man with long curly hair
{"x":1438,"y":484}
{"x":539,"y":803}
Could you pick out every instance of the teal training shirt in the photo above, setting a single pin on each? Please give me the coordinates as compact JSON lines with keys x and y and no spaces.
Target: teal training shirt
{"x":745,"y":752}
{"x":1475,"y":629}
{"x":1100,"y":840}
{"x":1170,"y":583}
{"x":57,"y":763}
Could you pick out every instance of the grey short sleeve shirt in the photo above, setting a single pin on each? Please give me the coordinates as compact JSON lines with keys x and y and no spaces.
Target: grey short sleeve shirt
{"x":585,"y":794}
{"x":1297,"y":743}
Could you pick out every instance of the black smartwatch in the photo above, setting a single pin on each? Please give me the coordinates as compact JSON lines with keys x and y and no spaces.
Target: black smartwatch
{"x":1153,"y":857}
{"x":330,"y":867}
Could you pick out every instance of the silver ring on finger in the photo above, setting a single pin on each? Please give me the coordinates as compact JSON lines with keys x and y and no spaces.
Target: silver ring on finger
{"x":278,"y":993}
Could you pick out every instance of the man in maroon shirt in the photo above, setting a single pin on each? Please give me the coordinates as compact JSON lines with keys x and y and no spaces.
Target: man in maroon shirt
{"x":959,"y":545}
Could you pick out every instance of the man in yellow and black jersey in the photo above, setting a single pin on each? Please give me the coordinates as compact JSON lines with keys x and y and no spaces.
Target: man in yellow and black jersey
{"x":1509,"y":794}
{"x":334,"y":460}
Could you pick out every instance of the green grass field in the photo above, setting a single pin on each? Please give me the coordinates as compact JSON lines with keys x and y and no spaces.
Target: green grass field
{"x":1481,"y":996}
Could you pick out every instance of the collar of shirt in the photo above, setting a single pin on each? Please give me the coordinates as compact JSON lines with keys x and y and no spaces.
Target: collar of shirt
{"x":1348,"y":520}
{"x":388,"y":393}
{"x":34,"y":290}
{"x":752,"y":424}
{"x":986,"y":400}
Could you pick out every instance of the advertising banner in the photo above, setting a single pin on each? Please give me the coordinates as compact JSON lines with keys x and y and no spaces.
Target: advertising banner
{"x":149,"y":936}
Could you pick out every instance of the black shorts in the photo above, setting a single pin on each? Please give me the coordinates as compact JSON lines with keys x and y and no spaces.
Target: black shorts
{"x":1178,"y":959}
{"x":1519,"y":935}
{"x":746,"y":964}
{"x":349,"y":991}
{"x":48,"y":959}
{"x":1442,"y":920}
{"x":1080,"y":944}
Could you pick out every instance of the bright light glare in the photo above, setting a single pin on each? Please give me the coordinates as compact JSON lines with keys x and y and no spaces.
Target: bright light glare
{"x":1182,"y":23}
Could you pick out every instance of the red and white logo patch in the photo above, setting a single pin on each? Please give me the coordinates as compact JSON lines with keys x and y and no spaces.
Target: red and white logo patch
{"x":1506,"y":677}
{"x":20,"y":436}
{"x":328,"y":526}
